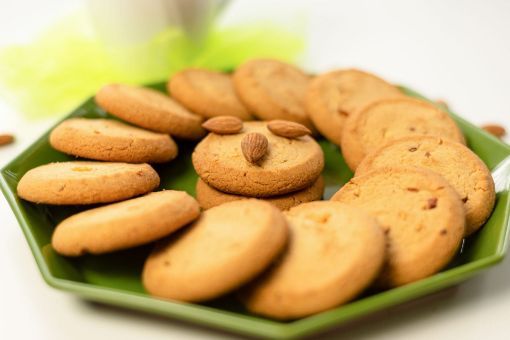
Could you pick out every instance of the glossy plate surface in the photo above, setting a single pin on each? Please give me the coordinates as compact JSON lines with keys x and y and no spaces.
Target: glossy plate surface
{"x":115,"y":278}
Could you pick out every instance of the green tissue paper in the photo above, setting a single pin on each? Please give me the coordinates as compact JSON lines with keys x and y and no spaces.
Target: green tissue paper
{"x":66,"y":63}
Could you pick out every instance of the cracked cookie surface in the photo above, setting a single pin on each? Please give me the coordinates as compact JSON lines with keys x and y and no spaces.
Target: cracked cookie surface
{"x":272,"y":89}
{"x":226,"y":247}
{"x":207,"y":93}
{"x":462,"y":168}
{"x":289,"y":164}
{"x":125,"y":224}
{"x":333,"y":96}
{"x":421,"y":214}
{"x":82,"y":182}
{"x":390,"y":119}
{"x":150,"y":109}
{"x":110,"y":140}
{"x":334,"y":252}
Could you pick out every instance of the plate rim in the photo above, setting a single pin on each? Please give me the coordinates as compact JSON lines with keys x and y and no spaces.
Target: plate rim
{"x":246,"y":324}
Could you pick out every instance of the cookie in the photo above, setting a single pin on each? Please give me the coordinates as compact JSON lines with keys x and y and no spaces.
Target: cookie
{"x":209,"y":197}
{"x":207,"y":93}
{"x":227,"y":246}
{"x":125,"y":224}
{"x":422,"y":215}
{"x":272,"y":89}
{"x":110,"y":140}
{"x":332,"y":97}
{"x":465,"y":172}
{"x":150,"y":109}
{"x":86,"y":182}
{"x":289,"y":165}
{"x":335,"y":251}
{"x":387,"y":120}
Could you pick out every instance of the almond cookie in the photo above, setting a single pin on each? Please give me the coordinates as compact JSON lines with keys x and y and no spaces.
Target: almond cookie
{"x":110,"y":140}
{"x":335,"y":251}
{"x":465,"y":172}
{"x":271,"y":89}
{"x":86,"y":182}
{"x":289,"y":164}
{"x":150,"y":109}
{"x":333,"y":96}
{"x":387,"y":120}
{"x":209,"y":197}
{"x":227,"y":246}
{"x":125,"y":224}
{"x":422,"y":215}
{"x":207,"y":93}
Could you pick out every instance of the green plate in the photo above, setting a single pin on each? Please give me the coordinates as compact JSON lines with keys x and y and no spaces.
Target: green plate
{"x":115,"y":278}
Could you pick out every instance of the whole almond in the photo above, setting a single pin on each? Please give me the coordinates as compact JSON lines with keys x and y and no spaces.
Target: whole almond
{"x":224,"y":125}
{"x":288,"y":129}
{"x":494,"y":129}
{"x":6,"y":139}
{"x":254,"y":147}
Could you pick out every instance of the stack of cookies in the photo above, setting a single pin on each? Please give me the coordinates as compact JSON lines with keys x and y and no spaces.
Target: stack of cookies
{"x":276,"y":161}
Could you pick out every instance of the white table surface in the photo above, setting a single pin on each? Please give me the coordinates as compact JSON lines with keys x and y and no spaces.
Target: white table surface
{"x":459,"y":51}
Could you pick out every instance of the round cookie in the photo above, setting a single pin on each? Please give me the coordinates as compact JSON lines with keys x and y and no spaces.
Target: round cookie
{"x":289,"y":165}
{"x":335,"y":251}
{"x":420,"y":212}
{"x":110,"y":140}
{"x":331,"y":97}
{"x":227,"y":246}
{"x":455,"y":162}
{"x":387,"y":120}
{"x":271,"y":89}
{"x":86,"y":182}
{"x":207,"y":93}
{"x":125,"y":224}
{"x":150,"y":109}
{"x":209,"y":197}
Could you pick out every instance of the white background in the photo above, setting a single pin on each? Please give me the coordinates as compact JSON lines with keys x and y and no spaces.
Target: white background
{"x":455,"y":50}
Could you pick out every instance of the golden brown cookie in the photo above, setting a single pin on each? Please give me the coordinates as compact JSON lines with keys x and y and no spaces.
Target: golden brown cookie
{"x":86,"y":182}
{"x":110,"y":140}
{"x":209,"y":197}
{"x":150,"y":109}
{"x":335,"y":251}
{"x":455,"y":162}
{"x":387,"y":120}
{"x":333,"y":96}
{"x":272,"y":89}
{"x":125,"y":224}
{"x":227,"y":246}
{"x":290,"y":164}
{"x":207,"y":93}
{"x":422,"y":215}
